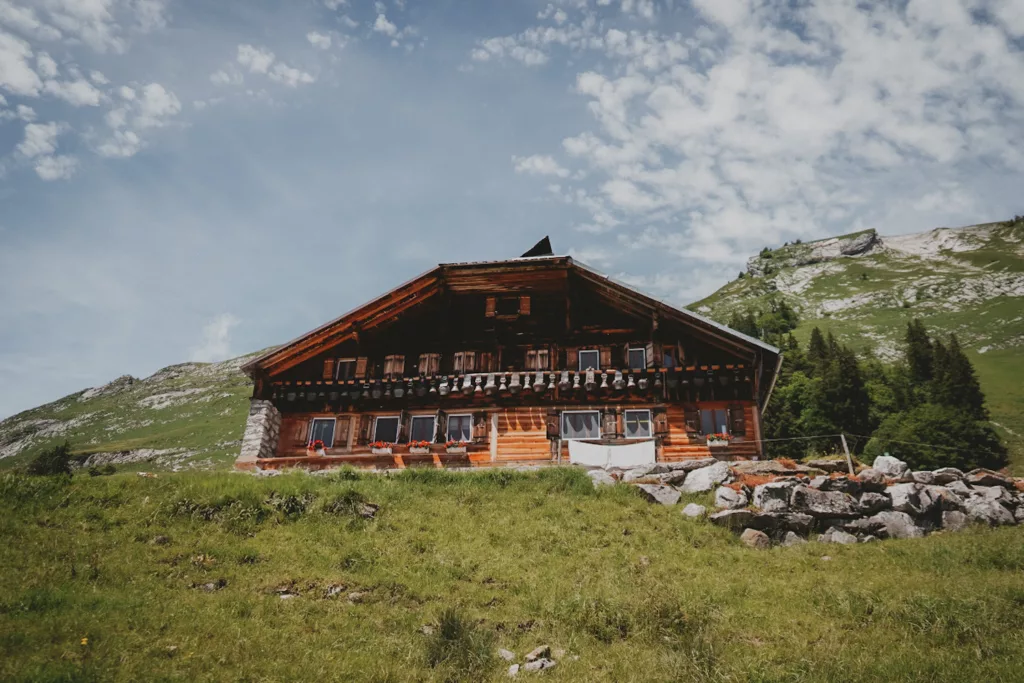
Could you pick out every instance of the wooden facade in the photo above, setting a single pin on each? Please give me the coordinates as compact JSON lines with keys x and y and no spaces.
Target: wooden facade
{"x":511,"y":360}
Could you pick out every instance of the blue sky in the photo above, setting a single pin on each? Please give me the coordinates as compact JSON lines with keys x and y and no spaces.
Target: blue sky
{"x":192,"y":180}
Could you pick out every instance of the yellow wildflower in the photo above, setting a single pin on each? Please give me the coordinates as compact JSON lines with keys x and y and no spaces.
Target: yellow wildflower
{"x":85,"y":641}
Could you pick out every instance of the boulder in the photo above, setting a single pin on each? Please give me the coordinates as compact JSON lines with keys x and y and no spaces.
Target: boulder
{"x":960,"y":488}
{"x":980,"y":509}
{"x":891,"y":467}
{"x":689,"y":465}
{"x":706,"y":478}
{"x":730,"y":499}
{"x":773,"y":497}
{"x":539,"y":652}
{"x":923,"y":477}
{"x":870,"y":503}
{"x":637,"y":473}
{"x":694,"y":510}
{"x":753,"y":538}
{"x":782,"y":521}
{"x":771,"y":467}
{"x":983,"y":477}
{"x":671,"y":478}
{"x":823,"y":503}
{"x":1019,"y":514}
{"x":907,"y":498}
{"x":872,"y":480}
{"x":834,"y":535}
{"x":539,"y":665}
{"x":941,"y":498}
{"x":601,"y":478}
{"x":828,"y":465}
{"x":791,"y":539}
{"x":954,"y":520}
{"x":513,"y":671}
{"x":865,"y":525}
{"x":732,"y":519}
{"x":897,"y":524}
{"x":656,"y":493}
{"x":998,"y":494}
{"x":507,"y":655}
{"x":843,"y":484}
{"x":945,"y":475}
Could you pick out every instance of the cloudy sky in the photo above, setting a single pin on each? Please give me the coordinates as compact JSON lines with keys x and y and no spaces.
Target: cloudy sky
{"x":184,"y":180}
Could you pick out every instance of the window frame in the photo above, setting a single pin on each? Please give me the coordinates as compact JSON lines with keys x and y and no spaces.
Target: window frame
{"x":312,"y":429}
{"x":338,"y":362}
{"x":433,"y":429}
{"x":579,"y":359}
{"x":448,"y":428}
{"x":650,"y":423}
{"x":398,"y":426}
{"x":561,"y":426}
{"x":629,"y":352}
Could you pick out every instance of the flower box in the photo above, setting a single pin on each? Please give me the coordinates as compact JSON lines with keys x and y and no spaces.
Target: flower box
{"x":381,"y":451}
{"x":316,"y":448}
{"x":718,"y":440}
{"x":419,"y":450}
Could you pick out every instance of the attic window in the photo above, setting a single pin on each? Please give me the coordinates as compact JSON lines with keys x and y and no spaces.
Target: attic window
{"x":507,"y":306}
{"x":345,"y":368}
{"x":590,"y":358}
{"x":638,"y":358}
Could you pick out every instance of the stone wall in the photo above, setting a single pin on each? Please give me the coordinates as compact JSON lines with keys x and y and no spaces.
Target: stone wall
{"x":262,"y":430}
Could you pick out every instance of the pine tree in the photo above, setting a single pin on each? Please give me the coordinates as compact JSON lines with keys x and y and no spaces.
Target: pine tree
{"x":817,"y":352}
{"x":919,"y":352}
{"x":955,"y":383}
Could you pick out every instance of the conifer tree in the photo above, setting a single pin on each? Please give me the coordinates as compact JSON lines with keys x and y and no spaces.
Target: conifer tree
{"x":955,"y":383}
{"x":919,"y":352}
{"x":817,"y":352}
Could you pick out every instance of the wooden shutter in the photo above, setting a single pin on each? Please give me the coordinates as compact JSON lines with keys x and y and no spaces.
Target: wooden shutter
{"x":609,"y":423}
{"x":298,"y":430}
{"x":394,"y":366}
{"x":524,"y":305}
{"x":543,"y":359}
{"x":531,"y":360}
{"x":480,"y":422}
{"x":606,"y":357}
{"x":572,"y":358}
{"x":660,"y":417}
{"x":341,"y":431}
{"x":403,"y":427}
{"x":362,"y":366}
{"x":491,"y":308}
{"x":458,"y":363}
{"x":692,"y":416}
{"x":737,"y":421}
{"x":365,"y":429}
{"x":423,"y":369}
{"x":653,"y":355}
{"x":486,"y":362}
{"x":553,"y":419}
{"x":442,"y":427}
{"x":469,"y":361}
{"x":328,"y":368}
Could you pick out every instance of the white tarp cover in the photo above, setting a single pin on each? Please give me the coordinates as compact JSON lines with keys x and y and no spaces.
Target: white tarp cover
{"x":607,"y":456}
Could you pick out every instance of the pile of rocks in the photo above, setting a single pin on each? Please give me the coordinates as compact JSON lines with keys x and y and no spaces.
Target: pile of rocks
{"x":538,"y":659}
{"x":887,"y":500}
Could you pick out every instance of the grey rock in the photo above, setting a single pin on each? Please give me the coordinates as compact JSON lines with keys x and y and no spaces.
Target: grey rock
{"x":954,"y":520}
{"x":843,"y":484}
{"x":960,"y":488}
{"x":771,"y":467}
{"x":983,"y":477}
{"x":872,"y":480}
{"x":890,"y":466}
{"x":1018,"y":514}
{"x":656,"y":493}
{"x":834,"y":535}
{"x":778,"y":522}
{"x":539,"y":665}
{"x":907,"y":498}
{"x":671,"y":478}
{"x":732,"y":519}
{"x":689,"y":465}
{"x":898,"y":524}
{"x":694,"y":510}
{"x":923,"y":477}
{"x":637,"y":473}
{"x":865,"y":525}
{"x":823,"y":503}
{"x":507,"y":655}
{"x":730,"y":499}
{"x":939,"y":498}
{"x":989,"y":512}
{"x":870,"y":503}
{"x":538,"y":653}
{"x":706,"y":478}
{"x":601,"y":478}
{"x":791,"y":539}
{"x":828,"y":465}
{"x":774,"y":496}
{"x":513,"y":671}
{"x":752,"y":538}
{"x":946,"y":475}
{"x":999,"y":495}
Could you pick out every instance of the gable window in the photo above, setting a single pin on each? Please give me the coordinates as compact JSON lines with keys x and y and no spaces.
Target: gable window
{"x":590,"y":358}
{"x":581,"y":424}
{"x":422,"y":428}
{"x":637,"y":358}
{"x":345,"y":369}
{"x":322,"y":429}
{"x":668,"y":359}
{"x":385,"y":428}
{"x":638,"y":424}
{"x":507,"y":306}
{"x":460,"y":427}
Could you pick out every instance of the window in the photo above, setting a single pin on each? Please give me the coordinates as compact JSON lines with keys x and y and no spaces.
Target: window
{"x":322,"y":430}
{"x":590,"y":358}
{"x":581,"y":424}
{"x":386,"y":429}
{"x":422,"y":428}
{"x":638,"y":424}
{"x":508,"y":305}
{"x":430,"y":364}
{"x":464,"y":361}
{"x":714,"y":421}
{"x":394,"y":366}
{"x":637,"y":359}
{"x":669,"y":359}
{"x":345,"y":369}
{"x":537,"y":359}
{"x":460,"y":427}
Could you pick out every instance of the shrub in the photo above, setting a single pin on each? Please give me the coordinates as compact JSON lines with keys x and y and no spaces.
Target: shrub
{"x":96,"y":471}
{"x":52,"y":461}
{"x":460,"y":646}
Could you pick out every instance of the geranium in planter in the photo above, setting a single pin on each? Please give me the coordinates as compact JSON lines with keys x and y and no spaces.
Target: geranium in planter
{"x":316,"y":448}
{"x":456,"y":446}
{"x":419,"y":448}
{"x":381,"y":448}
{"x":718,"y":440}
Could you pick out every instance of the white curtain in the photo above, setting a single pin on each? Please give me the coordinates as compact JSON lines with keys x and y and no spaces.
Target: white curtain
{"x":623,"y":456}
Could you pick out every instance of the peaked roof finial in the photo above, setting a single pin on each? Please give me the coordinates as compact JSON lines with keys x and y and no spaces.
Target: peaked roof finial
{"x":542,"y":248}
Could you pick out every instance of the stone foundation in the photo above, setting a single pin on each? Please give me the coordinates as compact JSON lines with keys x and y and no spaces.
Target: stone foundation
{"x":262,"y":430}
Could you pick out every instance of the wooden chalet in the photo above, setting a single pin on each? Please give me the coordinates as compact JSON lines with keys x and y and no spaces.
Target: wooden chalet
{"x":507,"y":362}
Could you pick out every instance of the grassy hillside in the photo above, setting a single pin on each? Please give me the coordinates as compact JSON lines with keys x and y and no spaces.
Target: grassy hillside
{"x":865,"y":288}
{"x":180,"y":577}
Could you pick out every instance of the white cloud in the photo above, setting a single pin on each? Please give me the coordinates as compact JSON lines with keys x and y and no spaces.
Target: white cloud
{"x":79,"y":93}
{"x":24,"y":21}
{"x":382,"y":25}
{"x":45,"y":66}
{"x":126,"y":93}
{"x":539,"y":164}
{"x":25,"y":113}
{"x":282,"y":73}
{"x":319,"y":40}
{"x":16,"y":74}
{"x":40,"y":139}
{"x":215,"y":344}
{"x":257,"y":60}
{"x":98,"y":78}
{"x":124,"y":143}
{"x":156,"y":104}
{"x":226,"y":77}
{"x":56,"y":167}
